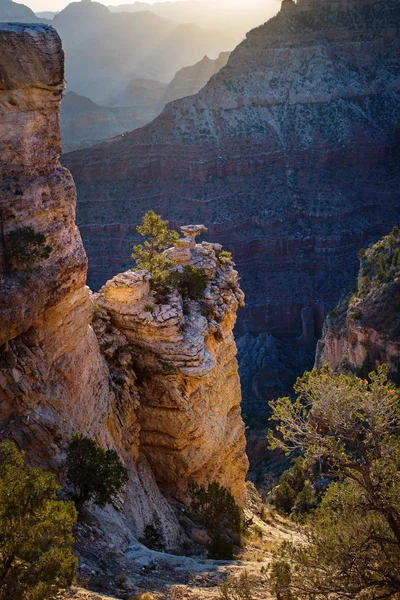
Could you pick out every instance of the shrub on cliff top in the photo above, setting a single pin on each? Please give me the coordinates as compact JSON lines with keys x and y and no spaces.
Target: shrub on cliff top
{"x":35,"y":531}
{"x":149,"y":256}
{"x":94,"y":472}
{"x":190,"y":283}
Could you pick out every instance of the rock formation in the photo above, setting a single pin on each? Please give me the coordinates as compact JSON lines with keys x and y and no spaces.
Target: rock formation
{"x":84,"y":123}
{"x":190,"y":80}
{"x":14,"y":12}
{"x":53,"y":378}
{"x":363,"y":331}
{"x":183,"y":354}
{"x":290,"y":154}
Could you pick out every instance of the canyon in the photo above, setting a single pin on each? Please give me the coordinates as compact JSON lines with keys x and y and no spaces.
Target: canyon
{"x":85,"y":123}
{"x":158,"y":385}
{"x":290,"y":154}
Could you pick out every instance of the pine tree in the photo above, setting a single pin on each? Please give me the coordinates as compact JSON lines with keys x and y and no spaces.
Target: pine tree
{"x":35,"y":531}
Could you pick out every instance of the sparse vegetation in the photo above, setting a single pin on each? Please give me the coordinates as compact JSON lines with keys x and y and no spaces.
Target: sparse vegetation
{"x":95,"y":473}
{"x":25,"y":247}
{"x":36,"y":560}
{"x":237,"y":588}
{"x":189,"y":282}
{"x":152,"y":538}
{"x":353,"y":426}
{"x":149,"y":256}
{"x":224,"y":257}
{"x":215,"y":506}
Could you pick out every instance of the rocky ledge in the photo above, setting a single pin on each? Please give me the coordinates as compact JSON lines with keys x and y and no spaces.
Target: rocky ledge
{"x":363,"y":331}
{"x":183,"y":355}
{"x":54,"y":379}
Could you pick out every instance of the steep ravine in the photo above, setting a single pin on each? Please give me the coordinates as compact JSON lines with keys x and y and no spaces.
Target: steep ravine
{"x":55,"y":377}
{"x":290,"y":154}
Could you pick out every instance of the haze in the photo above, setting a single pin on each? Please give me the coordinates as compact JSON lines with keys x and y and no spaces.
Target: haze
{"x":55,"y":5}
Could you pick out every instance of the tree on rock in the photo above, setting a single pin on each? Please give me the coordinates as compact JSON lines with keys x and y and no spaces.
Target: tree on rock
{"x":95,"y":473}
{"x":35,"y":531}
{"x":352,"y":425}
{"x":149,"y":256}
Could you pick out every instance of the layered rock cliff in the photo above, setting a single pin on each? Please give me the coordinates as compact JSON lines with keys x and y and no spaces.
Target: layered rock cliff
{"x":54,"y":379}
{"x":290,"y":154}
{"x":363,"y":331}
{"x":184,"y":357}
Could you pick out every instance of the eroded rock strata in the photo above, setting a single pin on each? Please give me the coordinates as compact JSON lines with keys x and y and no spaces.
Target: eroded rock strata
{"x":363,"y":331}
{"x":184,"y":357}
{"x":54,"y":379}
{"x":290,"y":154}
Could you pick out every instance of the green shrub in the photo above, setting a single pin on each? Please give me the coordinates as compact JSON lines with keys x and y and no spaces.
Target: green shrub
{"x":220,"y":548}
{"x":215,"y":506}
{"x":24,"y":246}
{"x":356,"y":314}
{"x":353,"y":538}
{"x":224,"y":257}
{"x":280,"y":579}
{"x":35,"y":531}
{"x":284,"y":498}
{"x":96,"y":473}
{"x":237,"y":588}
{"x":190,"y":283}
{"x":149,"y":256}
{"x":152,"y":538}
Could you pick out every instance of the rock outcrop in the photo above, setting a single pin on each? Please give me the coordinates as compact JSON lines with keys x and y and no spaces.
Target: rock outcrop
{"x":54,"y":379}
{"x":190,"y":80}
{"x":363,"y":331}
{"x":290,"y":154}
{"x":184,"y":356}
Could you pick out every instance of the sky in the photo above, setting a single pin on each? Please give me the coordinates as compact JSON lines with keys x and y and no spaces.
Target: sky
{"x":55,"y":5}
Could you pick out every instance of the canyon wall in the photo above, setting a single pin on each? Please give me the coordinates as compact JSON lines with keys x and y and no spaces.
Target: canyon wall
{"x":363,"y":331}
{"x":290,"y":154}
{"x":54,"y":379}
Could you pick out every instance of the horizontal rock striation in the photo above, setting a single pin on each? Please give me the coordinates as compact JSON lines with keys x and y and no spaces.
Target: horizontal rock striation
{"x":55,"y":378}
{"x":290,"y":154}
{"x":184,"y":357}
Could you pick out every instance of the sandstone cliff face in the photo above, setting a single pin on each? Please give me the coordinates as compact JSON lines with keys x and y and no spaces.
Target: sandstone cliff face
{"x":184,"y":357}
{"x":53,"y":378}
{"x":290,"y":154}
{"x":364,"y":330}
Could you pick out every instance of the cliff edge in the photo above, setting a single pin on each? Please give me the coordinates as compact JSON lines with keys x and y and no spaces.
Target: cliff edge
{"x":55,"y":378}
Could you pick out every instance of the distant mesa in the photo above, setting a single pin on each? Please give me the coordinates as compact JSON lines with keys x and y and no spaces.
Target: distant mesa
{"x":13,"y":12}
